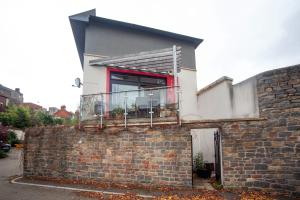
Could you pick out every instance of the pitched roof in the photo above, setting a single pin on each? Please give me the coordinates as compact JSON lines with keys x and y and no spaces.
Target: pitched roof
{"x":80,"y":21}
{"x":32,"y":106}
{"x":63,"y":113}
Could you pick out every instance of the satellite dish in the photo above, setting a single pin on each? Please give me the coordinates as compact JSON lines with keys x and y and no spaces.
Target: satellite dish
{"x":77,"y":83}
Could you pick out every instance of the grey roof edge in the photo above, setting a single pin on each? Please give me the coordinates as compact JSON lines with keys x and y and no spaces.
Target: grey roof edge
{"x":214,"y":84}
{"x":195,"y":41}
{"x":78,"y":24}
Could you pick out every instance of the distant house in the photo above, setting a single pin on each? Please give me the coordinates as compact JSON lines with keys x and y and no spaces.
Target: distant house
{"x":32,"y":106}
{"x":63,"y":113}
{"x":52,"y":110}
{"x":3,"y":102}
{"x":8,"y":95}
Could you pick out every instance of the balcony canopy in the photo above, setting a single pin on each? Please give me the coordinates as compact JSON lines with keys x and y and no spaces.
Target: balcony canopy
{"x":157,"y":61}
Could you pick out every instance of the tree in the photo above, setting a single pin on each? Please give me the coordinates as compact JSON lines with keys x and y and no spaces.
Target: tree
{"x":8,"y":117}
{"x":23,"y":117}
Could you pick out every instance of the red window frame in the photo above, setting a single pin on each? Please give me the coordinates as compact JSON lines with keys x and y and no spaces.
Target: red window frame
{"x":169,"y":78}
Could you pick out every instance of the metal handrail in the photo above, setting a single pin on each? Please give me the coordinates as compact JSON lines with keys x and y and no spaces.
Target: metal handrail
{"x":145,"y":89}
{"x":101,"y":96}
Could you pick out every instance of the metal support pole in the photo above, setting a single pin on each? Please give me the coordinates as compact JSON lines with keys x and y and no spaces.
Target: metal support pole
{"x":151,"y":109}
{"x":178,"y":103}
{"x":80,"y":112}
{"x":176,"y":81}
{"x":125,"y":110}
{"x":101,"y":111}
{"x":175,"y":65}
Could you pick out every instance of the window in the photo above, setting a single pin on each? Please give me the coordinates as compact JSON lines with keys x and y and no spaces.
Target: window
{"x":135,"y":95}
{"x":125,"y":82}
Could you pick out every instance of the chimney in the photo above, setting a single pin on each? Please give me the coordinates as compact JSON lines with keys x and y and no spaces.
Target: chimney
{"x":17,"y":90}
{"x":63,"y":107}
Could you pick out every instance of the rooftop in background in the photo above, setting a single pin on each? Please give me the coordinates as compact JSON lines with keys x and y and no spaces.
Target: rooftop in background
{"x":15,"y":96}
{"x":63,"y":113}
{"x":32,"y":106}
{"x":80,"y":22}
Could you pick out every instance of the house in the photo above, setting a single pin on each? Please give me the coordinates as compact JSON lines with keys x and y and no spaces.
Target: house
{"x":63,"y":113}
{"x":3,"y":102}
{"x":122,"y":63}
{"x":32,"y":106}
{"x":8,"y":95}
{"x":141,"y":77}
{"x":52,"y":110}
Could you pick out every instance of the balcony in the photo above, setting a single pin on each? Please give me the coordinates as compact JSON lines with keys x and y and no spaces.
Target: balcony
{"x":144,"y":106}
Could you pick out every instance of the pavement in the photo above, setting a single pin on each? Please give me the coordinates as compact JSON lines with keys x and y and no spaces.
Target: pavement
{"x":11,"y":166}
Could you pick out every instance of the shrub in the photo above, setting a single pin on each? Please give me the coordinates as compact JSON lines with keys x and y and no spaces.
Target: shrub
{"x":12,"y":138}
{"x":44,"y":118}
{"x":58,"y":121}
{"x":23,"y":117}
{"x":18,"y":117}
{"x":3,"y":133}
{"x":198,"y":161}
{"x":2,"y":154}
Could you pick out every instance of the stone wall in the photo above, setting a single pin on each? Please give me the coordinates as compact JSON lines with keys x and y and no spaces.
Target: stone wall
{"x":262,"y":153}
{"x":279,"y":103}
{"x":266,"y":154}
{"x":160,"y":156}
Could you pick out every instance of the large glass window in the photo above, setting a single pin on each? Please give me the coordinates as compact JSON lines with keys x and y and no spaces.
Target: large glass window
{"x":137,"y":99}
{"x":130,"y":82}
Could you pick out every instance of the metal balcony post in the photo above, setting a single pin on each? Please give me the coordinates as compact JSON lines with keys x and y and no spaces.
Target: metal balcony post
{"x":125,"y":110}
{"x":151,"y":109}
{"x":80,"y":111}
{"x":175,"y":65}
{"x":101,"y":111}
{"x":178,"y":104}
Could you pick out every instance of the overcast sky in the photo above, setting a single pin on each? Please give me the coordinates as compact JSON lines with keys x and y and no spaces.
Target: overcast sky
{"x":241,"y":38}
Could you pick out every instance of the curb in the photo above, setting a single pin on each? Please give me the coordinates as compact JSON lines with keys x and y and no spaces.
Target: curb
{"x":14,"y":181}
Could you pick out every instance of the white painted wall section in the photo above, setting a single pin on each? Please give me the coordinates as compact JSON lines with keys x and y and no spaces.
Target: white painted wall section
{"x":188,"y":86}
{"x":214,"y":102}
{"x":245,"y":101}
{"x":203,"y":141}
{"x":222,"y":100}
{"x":94,"y":78}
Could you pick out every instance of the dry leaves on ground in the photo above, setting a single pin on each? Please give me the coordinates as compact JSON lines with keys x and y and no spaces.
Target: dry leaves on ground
{"x":101,"y":196}
{"x":256,"y":196}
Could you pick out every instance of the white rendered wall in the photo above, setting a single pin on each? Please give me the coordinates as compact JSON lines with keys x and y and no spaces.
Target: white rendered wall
{"x":188,"y":86}
{"x":203,"y":141}
{"x":215,"y":103}
{"x":224,"y":100}
{"x":94,"y":78}
{"x":245,"y":102}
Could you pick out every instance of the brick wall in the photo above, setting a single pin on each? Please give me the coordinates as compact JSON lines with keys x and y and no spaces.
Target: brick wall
{"x":139,"y":155}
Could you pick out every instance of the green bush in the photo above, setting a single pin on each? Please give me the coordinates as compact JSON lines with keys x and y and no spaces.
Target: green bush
{"x":12,"y":138}
{"x":2,"y":154}
{"x":8,"y":118}
{"x":18,"y":117}
{"x":22,"y":117}
{"x":217,"y":185}
{"x":44,"y":118}
{"x":58,"y":121}
{"x":198,"y":161}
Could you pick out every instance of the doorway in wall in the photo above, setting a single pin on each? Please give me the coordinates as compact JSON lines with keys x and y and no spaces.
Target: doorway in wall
{"x":206,"y":155}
